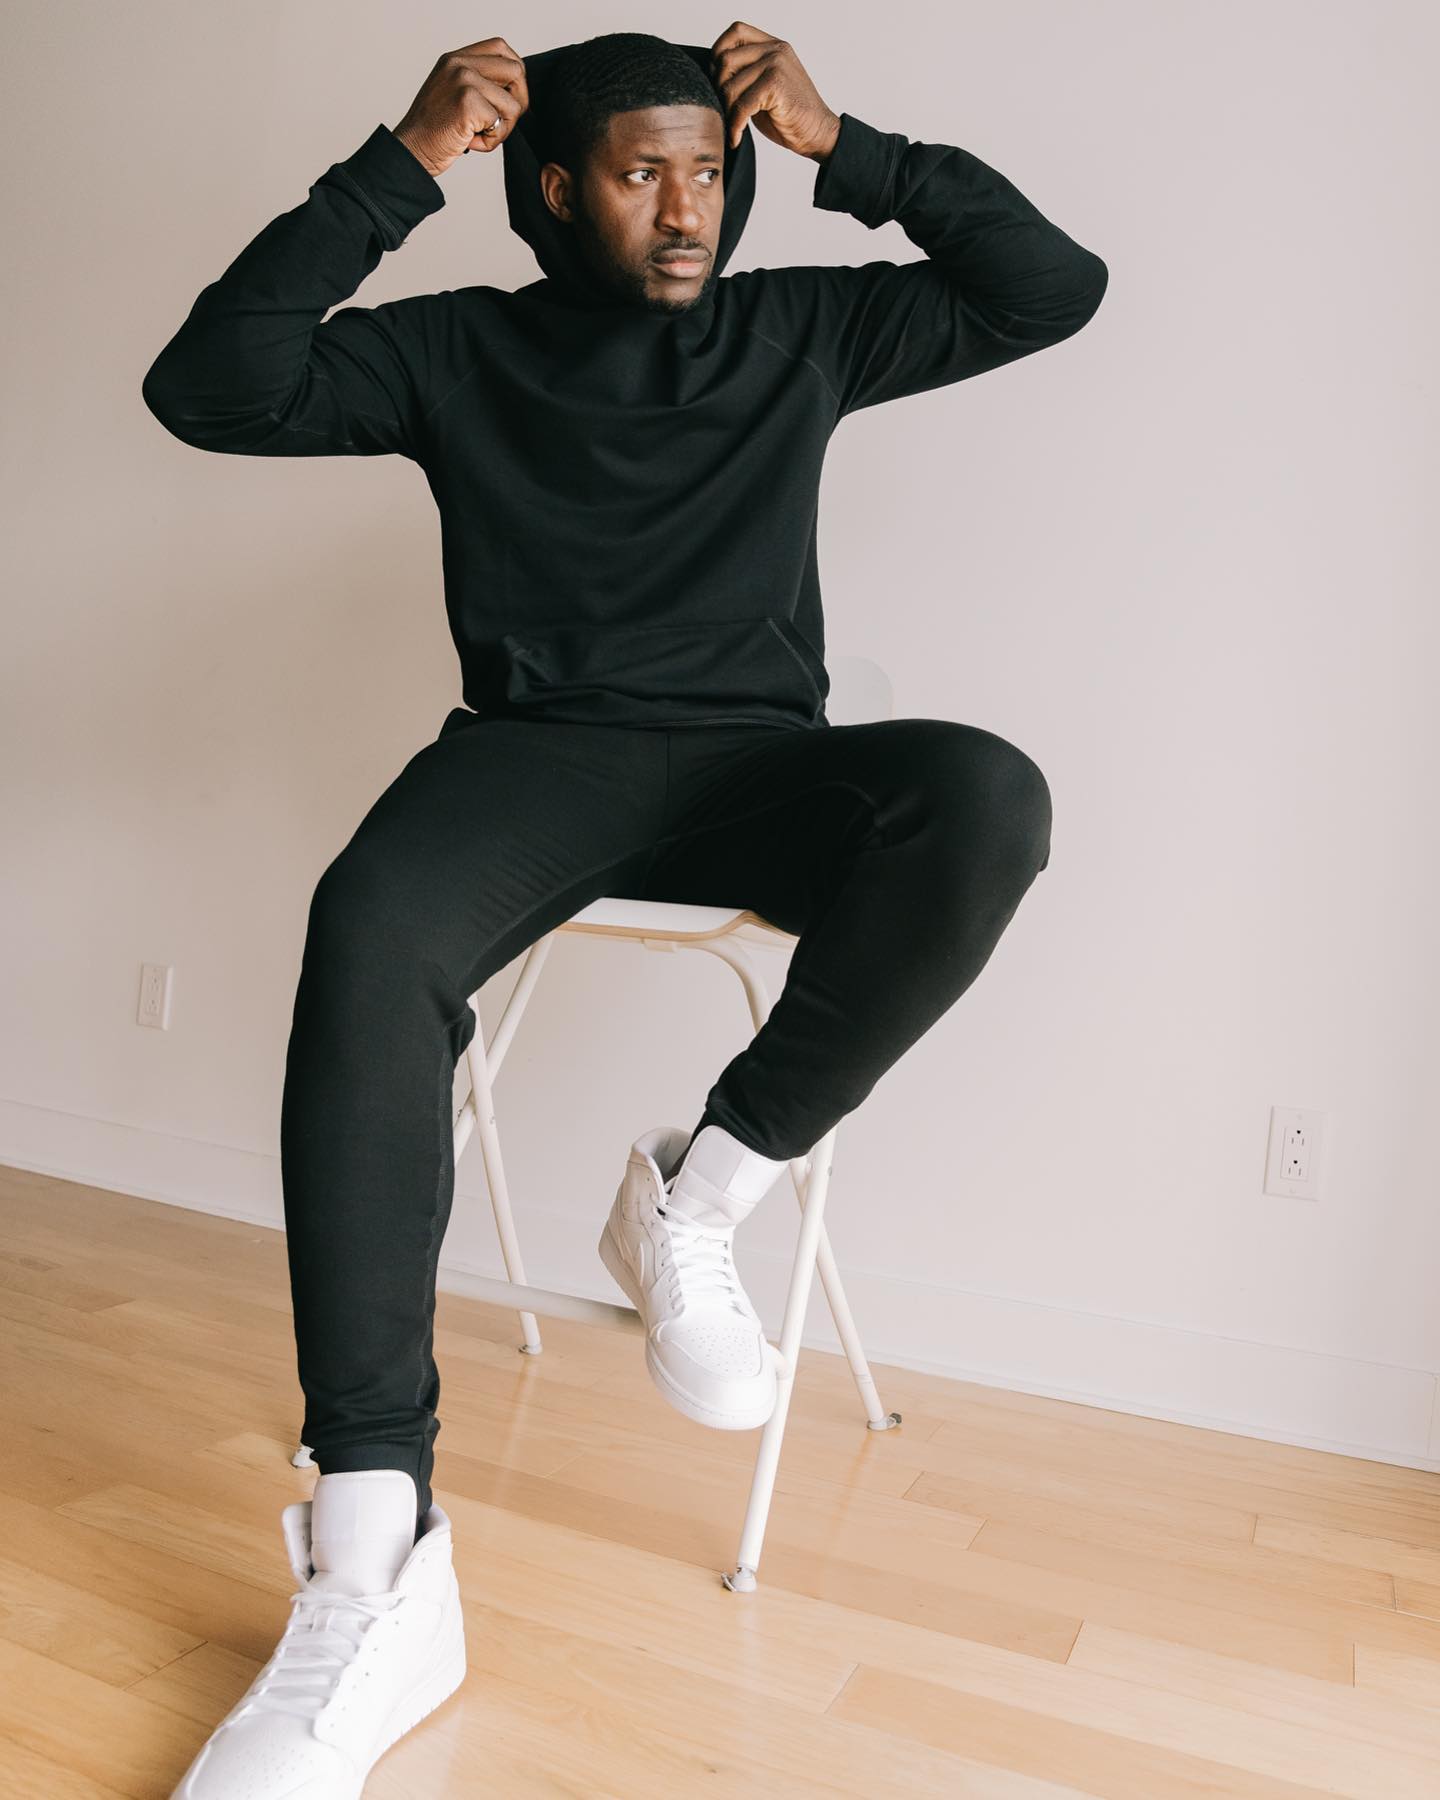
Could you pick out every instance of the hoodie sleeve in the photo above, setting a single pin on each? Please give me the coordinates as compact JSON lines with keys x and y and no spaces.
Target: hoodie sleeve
{"x":998,"y":280}
{"x":254,"y":372}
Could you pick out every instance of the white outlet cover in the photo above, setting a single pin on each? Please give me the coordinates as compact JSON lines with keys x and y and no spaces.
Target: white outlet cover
{"x":1282,"y":1120}
{"x":156,"y":982}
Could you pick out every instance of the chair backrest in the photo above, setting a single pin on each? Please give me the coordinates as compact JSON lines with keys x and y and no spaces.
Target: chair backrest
{"x":860,"y":691}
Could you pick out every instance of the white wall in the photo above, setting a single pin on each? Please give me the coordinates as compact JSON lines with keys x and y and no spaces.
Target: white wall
{"x":1179,"y":559}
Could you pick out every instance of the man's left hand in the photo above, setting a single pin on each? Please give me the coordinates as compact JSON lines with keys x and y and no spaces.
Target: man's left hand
{"x":761,"y":80}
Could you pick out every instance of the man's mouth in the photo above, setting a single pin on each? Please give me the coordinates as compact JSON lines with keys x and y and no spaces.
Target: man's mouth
{"x":681,"y":263}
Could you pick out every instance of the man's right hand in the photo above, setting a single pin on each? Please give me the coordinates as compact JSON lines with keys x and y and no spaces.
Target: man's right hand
{"x":463,"y":93}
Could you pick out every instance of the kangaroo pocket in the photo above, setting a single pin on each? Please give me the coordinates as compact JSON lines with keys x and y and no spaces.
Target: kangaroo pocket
{"x":720,"y":671}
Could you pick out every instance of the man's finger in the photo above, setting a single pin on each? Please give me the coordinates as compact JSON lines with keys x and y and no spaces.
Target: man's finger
{"x":748,"y":101}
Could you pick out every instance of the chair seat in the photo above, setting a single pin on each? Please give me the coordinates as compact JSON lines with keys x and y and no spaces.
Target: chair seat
{"x":676,"y":919}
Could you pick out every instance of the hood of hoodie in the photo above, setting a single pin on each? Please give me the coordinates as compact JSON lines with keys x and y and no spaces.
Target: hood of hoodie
{"x":553,"y":241}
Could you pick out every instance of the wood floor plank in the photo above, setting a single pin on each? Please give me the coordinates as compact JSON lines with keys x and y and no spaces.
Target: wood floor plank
{"x":202,"y":1685}
{"x":239,"y":1614}
{"x":26,"y":1776}
{"x":106,"y":1735}
{"x":1377,"y":1718}
{"x":1419,"y":1597}
{"x":1151,"y":1565}
{"x":1185,"y":1540}
{"x":46,"y":1279}
{"x":1248,"y":1486}
{"x":1350,"y":1549}
{"x":1098,"y":1762}
{"x":82,"y":1628}
{"x":1390,"y":1484}
{"x":1045,"y":1496}
{"x":1337,"y":1621}
{"x":222,"y":1543}
{"x":1401,"y":1675}
{"x":62,"y":1371}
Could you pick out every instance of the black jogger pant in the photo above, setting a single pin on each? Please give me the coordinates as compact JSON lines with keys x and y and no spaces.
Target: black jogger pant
{"x":897,"y":850}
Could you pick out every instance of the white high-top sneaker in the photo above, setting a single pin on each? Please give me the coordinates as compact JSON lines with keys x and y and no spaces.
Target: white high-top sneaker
{"x":669,"y":1244}
{"x":359,"y":1664}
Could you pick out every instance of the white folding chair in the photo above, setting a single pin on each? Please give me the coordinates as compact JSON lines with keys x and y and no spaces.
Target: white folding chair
{"x":859,"y":690}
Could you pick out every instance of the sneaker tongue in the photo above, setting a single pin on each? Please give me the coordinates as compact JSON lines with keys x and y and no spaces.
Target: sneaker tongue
{"x":362,"y":1530}
{"x":711,"y":1207}
{"x":720,"y":1180}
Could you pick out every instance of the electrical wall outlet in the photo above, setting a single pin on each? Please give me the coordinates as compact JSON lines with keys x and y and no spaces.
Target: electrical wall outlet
{"x":154,"y":1009}
{"x":1292,"y":1165}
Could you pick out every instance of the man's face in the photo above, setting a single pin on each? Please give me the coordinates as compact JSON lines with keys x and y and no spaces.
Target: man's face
{"x":650,"y":195}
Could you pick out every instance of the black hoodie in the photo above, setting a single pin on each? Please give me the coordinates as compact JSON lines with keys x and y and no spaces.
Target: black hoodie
{"x":628,"y":498}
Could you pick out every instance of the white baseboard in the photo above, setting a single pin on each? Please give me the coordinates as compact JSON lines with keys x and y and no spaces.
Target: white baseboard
{"x":1384,"y":1412}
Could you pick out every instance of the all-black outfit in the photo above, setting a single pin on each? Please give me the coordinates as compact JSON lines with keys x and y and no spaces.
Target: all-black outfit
{"x":628,"y":502}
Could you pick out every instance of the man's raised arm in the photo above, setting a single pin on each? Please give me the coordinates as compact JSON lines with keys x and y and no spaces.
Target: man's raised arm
{"x":999,"y":280}
{"x":253,"y":371}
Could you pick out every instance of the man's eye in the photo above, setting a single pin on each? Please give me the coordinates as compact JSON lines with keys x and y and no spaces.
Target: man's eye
{"x":713,"y":172}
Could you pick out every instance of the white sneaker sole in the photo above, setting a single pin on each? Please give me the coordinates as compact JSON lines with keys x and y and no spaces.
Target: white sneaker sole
{"x":680,"y":1398}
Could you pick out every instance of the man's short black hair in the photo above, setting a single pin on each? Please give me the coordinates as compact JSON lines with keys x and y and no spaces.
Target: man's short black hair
{"x":620,"y":71}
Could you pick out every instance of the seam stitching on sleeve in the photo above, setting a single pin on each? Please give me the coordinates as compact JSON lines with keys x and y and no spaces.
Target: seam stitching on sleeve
{"x":473,"y":369}
{"x":796,"y":356}
{"x":387,"y":224}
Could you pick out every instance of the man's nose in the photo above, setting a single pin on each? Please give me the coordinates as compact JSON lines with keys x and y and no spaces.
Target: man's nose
{"x":679,"y":212}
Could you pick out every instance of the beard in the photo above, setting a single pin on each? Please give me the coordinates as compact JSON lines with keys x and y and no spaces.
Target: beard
{"x":631,"y":283}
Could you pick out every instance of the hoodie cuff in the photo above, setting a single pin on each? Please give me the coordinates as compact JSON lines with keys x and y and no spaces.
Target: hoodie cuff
{"x":391,"y":183}
{"x":858,"y":176}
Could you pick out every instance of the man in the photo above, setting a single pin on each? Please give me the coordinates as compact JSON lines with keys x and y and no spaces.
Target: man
{"x":626,"y":457}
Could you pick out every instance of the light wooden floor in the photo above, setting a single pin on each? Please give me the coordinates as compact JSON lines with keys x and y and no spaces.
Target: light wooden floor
{"x":1008,"y":1597}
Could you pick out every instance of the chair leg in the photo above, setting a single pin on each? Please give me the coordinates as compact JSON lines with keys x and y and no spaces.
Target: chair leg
{"x":741,"y":1579}
{"x":481,"y":1107}
{"x":876,"y":1417}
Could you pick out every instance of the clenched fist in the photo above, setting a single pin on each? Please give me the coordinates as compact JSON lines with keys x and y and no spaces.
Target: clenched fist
{"x":464,"y":94}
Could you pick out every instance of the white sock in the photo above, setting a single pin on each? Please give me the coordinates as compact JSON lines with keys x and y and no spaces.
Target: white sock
{"x":720,"y":1179}
{"x":362,"y":1529}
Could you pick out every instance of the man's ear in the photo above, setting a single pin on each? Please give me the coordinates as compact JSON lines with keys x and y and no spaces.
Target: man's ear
{"x":558,"y":191}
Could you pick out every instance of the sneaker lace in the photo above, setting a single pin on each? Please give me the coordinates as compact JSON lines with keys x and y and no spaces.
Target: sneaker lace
{"x":319,"y":1643}
{"x":699,"y":1260}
